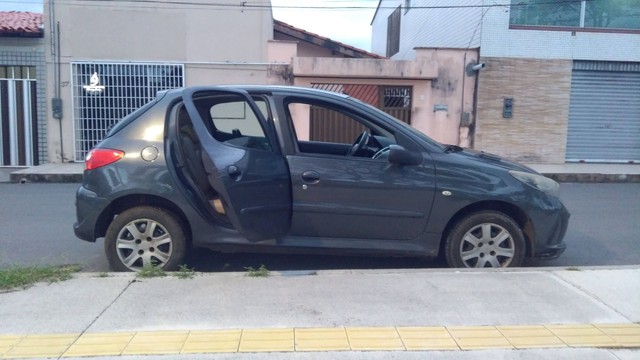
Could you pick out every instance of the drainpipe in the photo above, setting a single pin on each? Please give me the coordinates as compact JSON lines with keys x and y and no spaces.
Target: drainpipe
{"x":56,"y":102}
{"x":464,"y":76}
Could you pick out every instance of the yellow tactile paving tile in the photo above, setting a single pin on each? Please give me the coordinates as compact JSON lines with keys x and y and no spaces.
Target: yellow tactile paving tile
{"x":619,"y":329}
{"x":574,"y":330}
{"x":321,"y":339}
{"x":479,"y":337}
{"x":7,"y":342}
{"x":474,"y":331}
{"x":10,"y":340}
{"x":582,"y":336}
{"x":156,"y":343}
{"x":528,"y":337}
{"x":267,"y":340}
{"x":40,"y":346}
{"x":382,"y":338}
{"x":105,"y":338}
{"x":213,"y":341}
{"x":626,"y":335}
{"x":101,"y":344}
{"x":427,"y":338}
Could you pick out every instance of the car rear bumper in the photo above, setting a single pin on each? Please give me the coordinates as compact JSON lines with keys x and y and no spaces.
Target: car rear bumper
{"x":88,"y":209}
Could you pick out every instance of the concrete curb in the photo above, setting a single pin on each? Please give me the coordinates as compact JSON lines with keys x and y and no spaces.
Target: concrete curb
{"x":564,"y":173}
{"x":46,"y":178}
{"x":561,"y":178}
{"x":594,"y":178}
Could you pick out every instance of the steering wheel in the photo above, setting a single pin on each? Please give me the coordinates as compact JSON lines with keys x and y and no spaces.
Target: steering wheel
{"x":361,"y":141}
{"x":382,"y":153}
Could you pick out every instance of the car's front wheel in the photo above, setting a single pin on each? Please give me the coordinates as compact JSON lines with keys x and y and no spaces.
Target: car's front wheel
{"x":145,"y":236}
{"x":485,"y":239}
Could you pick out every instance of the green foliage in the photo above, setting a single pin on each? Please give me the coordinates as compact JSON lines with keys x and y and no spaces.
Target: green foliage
{"x":262,"y":271}
{"x":184,"y":272}
{"x":151,"y":271}
{"x":23,"y":277}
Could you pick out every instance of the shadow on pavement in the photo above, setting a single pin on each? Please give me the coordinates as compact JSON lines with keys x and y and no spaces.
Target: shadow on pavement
{"x":205,"y":260}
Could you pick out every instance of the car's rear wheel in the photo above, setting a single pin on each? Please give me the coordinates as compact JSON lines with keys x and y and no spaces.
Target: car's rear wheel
{"x":145,"y":236}
{"x":485,"y":239}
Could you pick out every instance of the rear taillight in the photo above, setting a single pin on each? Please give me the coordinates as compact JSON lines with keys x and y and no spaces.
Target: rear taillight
{"x":101,"y":157}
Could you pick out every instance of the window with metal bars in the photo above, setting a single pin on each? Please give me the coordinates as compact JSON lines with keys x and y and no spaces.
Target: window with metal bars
{"x":326,"y":125}
{"x":105,"y":92}
{"x":394,"y":100}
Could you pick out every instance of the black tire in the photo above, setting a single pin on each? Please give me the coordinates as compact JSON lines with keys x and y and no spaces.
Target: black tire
{"x":164,"y":247}
{"x":488,"y":239}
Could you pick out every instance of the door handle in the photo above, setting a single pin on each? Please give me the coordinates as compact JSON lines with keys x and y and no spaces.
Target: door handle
{"x":311,"y":177}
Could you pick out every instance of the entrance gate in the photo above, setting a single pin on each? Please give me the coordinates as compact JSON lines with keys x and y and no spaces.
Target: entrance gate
{"x":394,"y":100}
{"x":18,"y":116}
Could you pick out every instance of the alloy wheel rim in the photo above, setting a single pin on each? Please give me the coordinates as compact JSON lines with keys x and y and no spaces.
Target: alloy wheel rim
{"x":487,"y":245}
{"x":144,"y":242}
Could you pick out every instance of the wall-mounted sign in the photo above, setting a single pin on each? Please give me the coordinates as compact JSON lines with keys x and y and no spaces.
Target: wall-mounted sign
{"x":94,"y":86}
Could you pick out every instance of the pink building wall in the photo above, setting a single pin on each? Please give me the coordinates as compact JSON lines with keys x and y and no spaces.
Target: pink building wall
{"x":443,"y":91}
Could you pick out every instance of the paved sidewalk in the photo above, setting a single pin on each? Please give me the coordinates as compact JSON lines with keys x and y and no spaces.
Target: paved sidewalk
{"x":519,"y":313}
{"x":52,"y":172}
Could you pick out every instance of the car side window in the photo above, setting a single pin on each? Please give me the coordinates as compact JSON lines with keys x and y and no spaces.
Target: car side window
{"x":322,"y":128}
{"x":233,"y":121}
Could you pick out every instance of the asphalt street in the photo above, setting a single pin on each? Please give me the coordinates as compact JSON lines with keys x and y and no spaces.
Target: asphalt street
{"x":36,"y":228}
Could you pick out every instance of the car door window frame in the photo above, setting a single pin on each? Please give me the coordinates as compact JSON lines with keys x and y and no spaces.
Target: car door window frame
{"x":264,"y":120}
{"x":352,"y":114}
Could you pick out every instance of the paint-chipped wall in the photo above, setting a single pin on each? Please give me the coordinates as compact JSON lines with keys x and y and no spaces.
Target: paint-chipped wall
{"x":450,"y":107}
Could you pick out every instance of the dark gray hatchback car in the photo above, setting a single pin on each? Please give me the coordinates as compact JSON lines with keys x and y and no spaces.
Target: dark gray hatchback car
{"x":260,"y":168}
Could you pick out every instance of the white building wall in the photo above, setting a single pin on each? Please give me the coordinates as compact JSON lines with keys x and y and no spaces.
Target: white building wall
{"x":218,"y":43}
{"x":182,"y":30}
{"x":429,"y":23}
{"x":485,"y":24}
{"x":499,"y":41}
{"x":379,"y":26}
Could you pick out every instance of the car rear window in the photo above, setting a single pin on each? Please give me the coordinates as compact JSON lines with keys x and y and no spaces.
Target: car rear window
{"x":134,"y":115}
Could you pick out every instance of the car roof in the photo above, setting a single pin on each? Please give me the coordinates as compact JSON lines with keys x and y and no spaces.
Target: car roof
{"x":260,"y":88}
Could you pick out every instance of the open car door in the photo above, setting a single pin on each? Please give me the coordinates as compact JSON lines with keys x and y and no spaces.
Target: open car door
{"x":242,"y":159}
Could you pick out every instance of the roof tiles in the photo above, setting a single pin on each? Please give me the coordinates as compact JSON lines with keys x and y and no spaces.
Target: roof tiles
{"x":320,"y":40}
{"x":21,"y":23}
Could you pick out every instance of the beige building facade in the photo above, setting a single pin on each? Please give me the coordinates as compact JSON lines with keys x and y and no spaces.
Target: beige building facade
{"x":104,"y":59}
{"x":135,"y":49}
{"x":540,"y":93}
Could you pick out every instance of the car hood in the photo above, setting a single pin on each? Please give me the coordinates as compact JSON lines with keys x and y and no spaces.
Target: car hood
{"x":493,"y":160}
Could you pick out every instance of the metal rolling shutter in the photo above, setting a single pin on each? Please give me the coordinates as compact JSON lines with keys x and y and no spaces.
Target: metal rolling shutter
{"x":604,"y":112}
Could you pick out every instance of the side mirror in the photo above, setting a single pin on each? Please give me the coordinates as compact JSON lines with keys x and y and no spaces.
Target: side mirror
{"x":403,"y":157}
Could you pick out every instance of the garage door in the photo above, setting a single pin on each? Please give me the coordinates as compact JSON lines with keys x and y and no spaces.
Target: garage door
{"x":604,"y":112}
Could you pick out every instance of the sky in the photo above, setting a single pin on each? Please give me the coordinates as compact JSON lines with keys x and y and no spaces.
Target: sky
{"x":21,"y":5}
{"x":347,"y":21}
